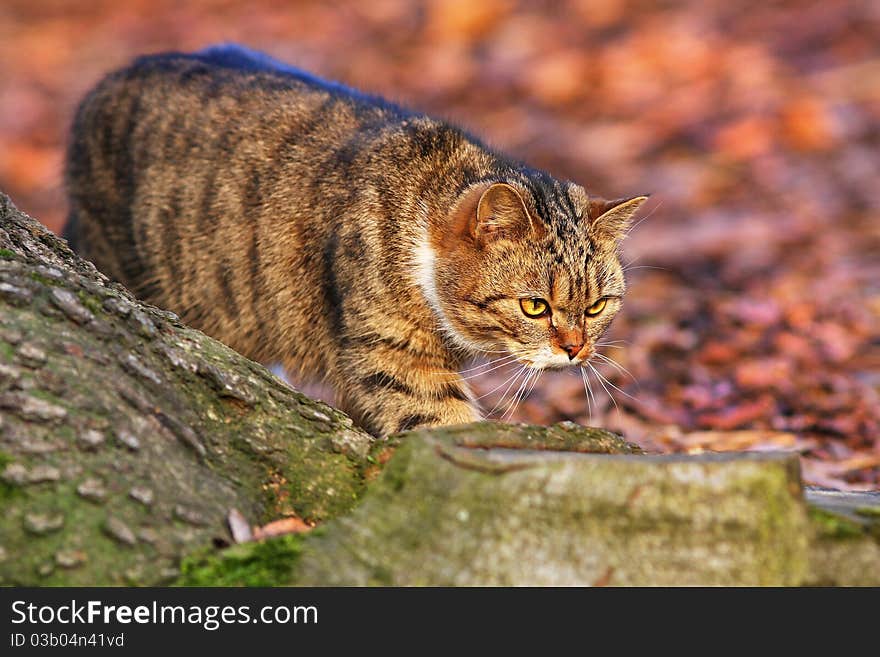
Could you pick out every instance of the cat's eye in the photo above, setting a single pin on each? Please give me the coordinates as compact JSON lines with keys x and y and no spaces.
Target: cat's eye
{"x":597,"y":307}
{"x":534,"y":307}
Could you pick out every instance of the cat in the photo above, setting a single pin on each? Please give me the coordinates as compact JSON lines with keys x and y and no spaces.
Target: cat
{"x":306,"y":223}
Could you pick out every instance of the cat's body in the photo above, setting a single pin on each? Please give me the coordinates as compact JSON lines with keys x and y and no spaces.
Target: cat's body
{"x":304,"y":223}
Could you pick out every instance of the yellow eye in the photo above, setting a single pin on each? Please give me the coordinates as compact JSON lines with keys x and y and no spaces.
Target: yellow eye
{"x":534,"y":307}
{"x":597,"y":307}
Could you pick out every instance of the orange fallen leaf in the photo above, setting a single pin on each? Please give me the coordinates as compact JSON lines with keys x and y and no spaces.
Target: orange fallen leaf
{"x":292,"y":525}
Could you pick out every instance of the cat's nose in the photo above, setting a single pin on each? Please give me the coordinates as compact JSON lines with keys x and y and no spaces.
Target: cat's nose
{"x":572,"y":349}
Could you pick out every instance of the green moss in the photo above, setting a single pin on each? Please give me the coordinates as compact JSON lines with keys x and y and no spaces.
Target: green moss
{"x":262,"y":563}
{"x":90,"y":302}
{"x":395,"y":474}
{"x":6,"y":490}
{"x":45,"y":280}
{"x":6,"y":254}
{"x":831,"y":525}
{"x":47,"y":396}
{"x":323,"y":488}
{"x":7,"y":353}
{"x":869,"y":511}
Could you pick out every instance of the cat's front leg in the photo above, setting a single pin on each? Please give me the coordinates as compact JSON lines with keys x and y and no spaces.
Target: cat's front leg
{"x":387,"y":398}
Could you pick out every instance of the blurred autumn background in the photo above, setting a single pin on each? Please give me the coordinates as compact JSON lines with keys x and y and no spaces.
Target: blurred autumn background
{"x":752,"y":317}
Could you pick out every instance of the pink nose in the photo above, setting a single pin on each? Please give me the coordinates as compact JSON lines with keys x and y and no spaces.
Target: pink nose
{"x":572,"y":349}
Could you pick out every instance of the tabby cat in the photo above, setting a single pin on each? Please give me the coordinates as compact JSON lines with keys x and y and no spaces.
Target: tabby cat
{"x":303,"y":222}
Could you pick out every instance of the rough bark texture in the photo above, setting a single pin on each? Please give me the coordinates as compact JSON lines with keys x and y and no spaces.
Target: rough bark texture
{"x":126,"y":438}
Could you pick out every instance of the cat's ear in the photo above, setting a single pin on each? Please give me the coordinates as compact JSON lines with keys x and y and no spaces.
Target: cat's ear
{"x":611,"y":219}
{"x":501,"y":214}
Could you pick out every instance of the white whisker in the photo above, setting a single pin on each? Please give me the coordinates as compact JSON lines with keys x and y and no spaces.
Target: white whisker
{"x":487,"y":363}
{"x":516,"y":376}
{"x":608,"y":392}
{"x":538,"y":374}
{"x":602,"y":378}
{"x":497,"y":388}
{"x":511,"y":407}
{"x":611,"y":343}
{"x":588,"y":391}
{"x":620,"y":368}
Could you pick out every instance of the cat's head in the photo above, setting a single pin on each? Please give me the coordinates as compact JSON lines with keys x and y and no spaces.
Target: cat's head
{"x":537,"y":277}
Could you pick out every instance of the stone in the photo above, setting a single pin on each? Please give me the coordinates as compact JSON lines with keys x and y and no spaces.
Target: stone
{"x":452,"y":509}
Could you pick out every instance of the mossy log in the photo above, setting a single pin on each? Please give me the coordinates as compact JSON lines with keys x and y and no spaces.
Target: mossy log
{"x":450,"y":509}
{"x":126,"y":439}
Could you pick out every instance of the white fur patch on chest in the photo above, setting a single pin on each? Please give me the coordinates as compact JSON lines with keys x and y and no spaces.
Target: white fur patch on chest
{"x":423,"y":264}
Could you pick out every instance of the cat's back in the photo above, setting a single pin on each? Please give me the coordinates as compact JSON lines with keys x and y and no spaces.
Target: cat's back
{"x":229,"y":71}
{"x":172,"y":107}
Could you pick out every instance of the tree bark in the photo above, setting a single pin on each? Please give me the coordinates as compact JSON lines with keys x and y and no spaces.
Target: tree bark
{"x":126,"y":438}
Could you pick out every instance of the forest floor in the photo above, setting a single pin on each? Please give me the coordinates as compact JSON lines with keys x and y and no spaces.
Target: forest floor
{"x":752,"y":319}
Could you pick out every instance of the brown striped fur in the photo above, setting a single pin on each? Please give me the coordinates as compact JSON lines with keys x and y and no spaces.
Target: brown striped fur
{"x":305,"y":223}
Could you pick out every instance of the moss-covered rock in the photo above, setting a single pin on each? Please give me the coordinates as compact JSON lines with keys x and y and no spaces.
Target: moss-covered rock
{"x":451,"y":509}
{"x":447,"y":513}
{"x":845,"y":545}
